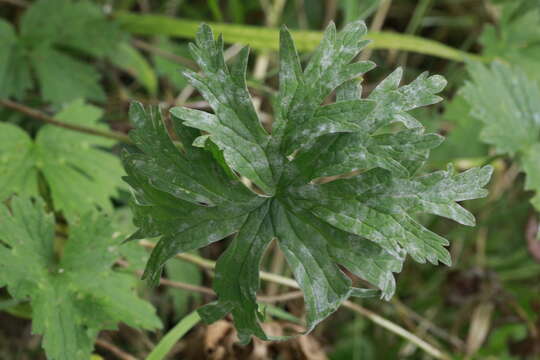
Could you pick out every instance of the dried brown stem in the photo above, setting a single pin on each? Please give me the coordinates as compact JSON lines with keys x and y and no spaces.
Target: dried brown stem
{"x":143,"y":45}
{"x":207,"y":291}
{"x":113,"y":349}
{"x":39,"y":115}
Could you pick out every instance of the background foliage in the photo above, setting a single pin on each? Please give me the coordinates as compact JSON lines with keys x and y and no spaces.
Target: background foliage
{"x":78,"y":64}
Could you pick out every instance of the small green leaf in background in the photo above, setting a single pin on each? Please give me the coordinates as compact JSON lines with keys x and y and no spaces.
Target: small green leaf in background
{"x":78,"y":79}
{"x":75,"y":24}
{"x":48,"y":25}
{"x":18,"y":172}
{"x":74,"y":294}
{"x":79,"y":174}
{"x":505,"y":100}
{"x":516,"y":39}
{"x":364,"y":221}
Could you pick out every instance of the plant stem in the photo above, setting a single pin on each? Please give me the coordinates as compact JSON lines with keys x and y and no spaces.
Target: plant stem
{"x":119,"y":353}
{"x":38,"y":115}
{"x":207,"y":291}
{"x":275,"y":12}
{"x":276,"y":267}
{"x":176,"y":333}
{"x":439,"y":332}
{"x":330,"y":11}
{"x":171,"y":283}
{"x":398,"y":330}
{"x":377,"y":319}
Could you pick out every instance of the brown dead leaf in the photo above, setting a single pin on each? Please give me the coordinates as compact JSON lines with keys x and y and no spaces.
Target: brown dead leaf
{"x":479,"y":329}
{"x":219,"y":342}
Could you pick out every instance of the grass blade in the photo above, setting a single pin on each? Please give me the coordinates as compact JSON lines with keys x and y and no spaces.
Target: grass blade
{"x":175,"y":334}
{"x":260,"y":38}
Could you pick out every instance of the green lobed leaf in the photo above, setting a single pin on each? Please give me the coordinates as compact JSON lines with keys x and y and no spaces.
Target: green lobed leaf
{"x":402,"y":153}
{"x":80,"y":25}
{"x":72,"y":298}
{"x":377,"y":206}
{"x":235,"y":128}
{"x":237,"y":279}
{"x":307,"y":252}
{"x":169,"y":189}
{"x":18,"y":173}
{"x":69,"y":162}
{"x":516,"y":39}
{"x":51,"y":65}
{"x":363,"y":221}
{"x":517,"y":108}
{"x":51,"y":32}
{"x":301,"y":119}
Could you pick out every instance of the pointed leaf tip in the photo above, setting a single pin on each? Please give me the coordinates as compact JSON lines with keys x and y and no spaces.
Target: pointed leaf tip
{"x":437,"y":83}
{"x":137,"y":113}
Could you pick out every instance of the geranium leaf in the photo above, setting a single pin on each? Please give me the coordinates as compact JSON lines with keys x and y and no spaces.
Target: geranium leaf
{"x":72,"y":298}
{"x":69,"y":161}
{"x":517,"y":108}
{"x":363,"y":218}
